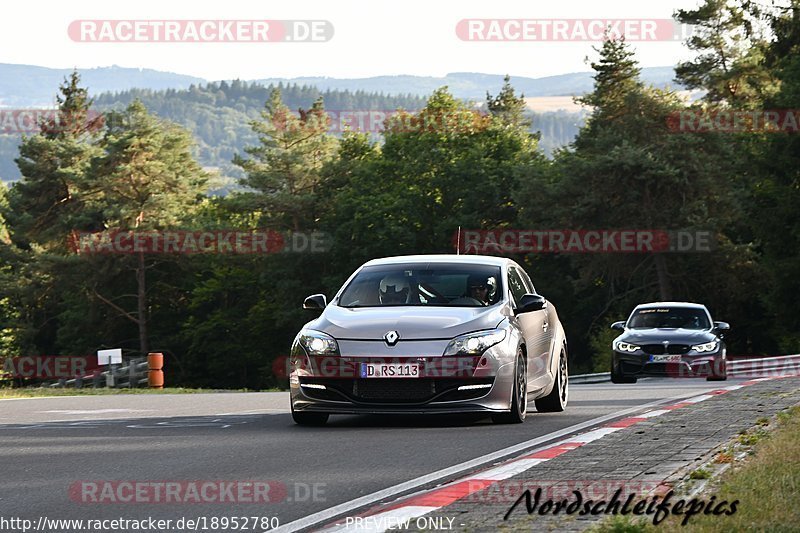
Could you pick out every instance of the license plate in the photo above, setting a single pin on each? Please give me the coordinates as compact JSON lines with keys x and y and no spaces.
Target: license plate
{"x":665,"y":358}
{"x":389,"y":370}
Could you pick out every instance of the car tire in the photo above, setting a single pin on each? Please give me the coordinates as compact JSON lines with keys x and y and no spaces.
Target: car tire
{"x":309,"y":419}
{"x":617,"y":376}
{"x":556,"y":401}
{"x":519,"y":395}
{"x":719,"y":370}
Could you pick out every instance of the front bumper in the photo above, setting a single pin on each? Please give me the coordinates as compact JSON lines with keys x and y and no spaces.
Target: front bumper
{"x":445,"y":385}
{"x":640,"y":364}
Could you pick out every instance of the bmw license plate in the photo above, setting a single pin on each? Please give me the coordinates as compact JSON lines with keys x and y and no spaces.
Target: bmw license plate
{"x":389,"y":370}
{"x":665,"y":358}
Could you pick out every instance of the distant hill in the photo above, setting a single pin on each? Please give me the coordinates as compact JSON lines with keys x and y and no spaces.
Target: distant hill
{"x":217,"y":113}
{"x":31,"y":86}
{"x":474,"y":85}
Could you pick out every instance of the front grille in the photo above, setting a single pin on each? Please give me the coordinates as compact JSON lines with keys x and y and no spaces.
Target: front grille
{"x":394,"y":389}
{"x":660,"y":349}
{"x":409,"y":391}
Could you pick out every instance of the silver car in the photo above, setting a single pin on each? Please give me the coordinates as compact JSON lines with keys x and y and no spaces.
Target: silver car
{"x":430,"y":334}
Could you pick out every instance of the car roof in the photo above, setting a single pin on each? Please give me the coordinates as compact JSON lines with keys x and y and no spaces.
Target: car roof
{"x":442,"y":258}
{"x":670,"y":304}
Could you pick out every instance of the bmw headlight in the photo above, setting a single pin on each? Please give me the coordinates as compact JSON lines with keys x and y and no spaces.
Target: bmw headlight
{"x":475,"y":343}
{"x":318,"y":343}
{"x":626,"y":347}
{"x":707,"y":347}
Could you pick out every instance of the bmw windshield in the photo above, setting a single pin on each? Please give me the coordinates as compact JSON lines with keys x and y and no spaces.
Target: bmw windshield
{"x":669,"y":318}
{"x":426,"y":284}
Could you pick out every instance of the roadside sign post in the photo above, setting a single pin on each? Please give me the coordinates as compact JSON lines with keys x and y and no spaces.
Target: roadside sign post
{"x":109,"y":357}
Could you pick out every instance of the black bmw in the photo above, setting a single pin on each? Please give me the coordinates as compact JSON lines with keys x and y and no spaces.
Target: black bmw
{"x":676,"y":339}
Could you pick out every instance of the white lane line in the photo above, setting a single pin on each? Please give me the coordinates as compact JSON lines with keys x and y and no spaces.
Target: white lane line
{"x":590,"y":436}
{"x":329,"y":514}
{"x":254,"y":412}
{"x":698,"y":399}
{"x":95,"y":411}
{"x":651,"y":414}
{"x":508,"y":470}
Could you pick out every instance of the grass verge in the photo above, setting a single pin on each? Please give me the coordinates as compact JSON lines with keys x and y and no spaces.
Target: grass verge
{"x":766,"y":483}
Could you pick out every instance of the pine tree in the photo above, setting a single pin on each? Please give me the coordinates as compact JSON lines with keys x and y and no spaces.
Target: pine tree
{"x":145,"y":179}
{"x":46,"y":202}
{"x":507,"y":106}
{"x":285,"y":169}
{"x":729,"y":40}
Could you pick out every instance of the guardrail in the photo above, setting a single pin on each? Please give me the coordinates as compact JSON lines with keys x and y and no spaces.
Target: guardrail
{"x":752,"y":367}
{"x":602,"y":377}
{"x":133,"y":374}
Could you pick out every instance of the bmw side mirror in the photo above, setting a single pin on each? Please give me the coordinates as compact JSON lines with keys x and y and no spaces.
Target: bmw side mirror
{"x":531,"y":302}
{"x":722,"y":326}
{"x":618,"y":325}
{"x":315,"y":302}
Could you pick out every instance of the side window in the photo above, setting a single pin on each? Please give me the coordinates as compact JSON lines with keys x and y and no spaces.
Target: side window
{"x":527,"y":281}
{"x":515,"y":285}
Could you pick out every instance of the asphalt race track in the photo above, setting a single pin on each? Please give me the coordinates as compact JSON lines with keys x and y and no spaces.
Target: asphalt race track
{"x":51,"y":445}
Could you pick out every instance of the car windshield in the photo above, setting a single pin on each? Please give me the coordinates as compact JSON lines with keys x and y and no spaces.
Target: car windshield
{"x":669,"y":317}
{"x":424,"y":285}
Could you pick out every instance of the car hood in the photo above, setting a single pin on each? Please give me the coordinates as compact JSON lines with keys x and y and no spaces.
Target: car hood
{"x":671,"y":335}
{"x":372,"y":323}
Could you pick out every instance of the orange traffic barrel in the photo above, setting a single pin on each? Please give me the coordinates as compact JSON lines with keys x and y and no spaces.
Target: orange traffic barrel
{"x":155,"y":372}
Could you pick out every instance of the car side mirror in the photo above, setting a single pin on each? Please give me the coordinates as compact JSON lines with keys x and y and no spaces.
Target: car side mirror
{"x":315,"y":302}
{"x":531,"y":302}
{"x":618,"y":325}
{"x":722,"y":326}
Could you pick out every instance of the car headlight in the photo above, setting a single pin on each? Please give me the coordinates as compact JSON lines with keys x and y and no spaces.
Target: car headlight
{"x":627,"y":347}
{"x":318,"y":343}
{"x":475,"y":343}
{"x":707,"y":347}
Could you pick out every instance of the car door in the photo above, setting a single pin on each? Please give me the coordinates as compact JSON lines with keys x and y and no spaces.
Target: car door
{"x":548,"y":317}
{"x":534,"y":326}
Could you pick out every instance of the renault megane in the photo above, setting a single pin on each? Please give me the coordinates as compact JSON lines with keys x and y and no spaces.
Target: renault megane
{"x":430,"y":334}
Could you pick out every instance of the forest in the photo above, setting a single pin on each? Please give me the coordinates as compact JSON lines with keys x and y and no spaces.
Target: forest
{"x":222,"y":320}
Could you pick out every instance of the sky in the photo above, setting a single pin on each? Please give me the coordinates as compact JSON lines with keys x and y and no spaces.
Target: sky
{"x":371,"y":37}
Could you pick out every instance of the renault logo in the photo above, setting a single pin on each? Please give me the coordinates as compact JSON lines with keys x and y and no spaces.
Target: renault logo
{"x":391,"y":338}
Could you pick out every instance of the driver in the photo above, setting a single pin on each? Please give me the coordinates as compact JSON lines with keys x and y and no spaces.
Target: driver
{"x":480,"y":288}
{"x":394,"y":289}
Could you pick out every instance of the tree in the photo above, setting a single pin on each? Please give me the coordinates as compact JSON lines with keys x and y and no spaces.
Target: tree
{"x":627,"y":170}
{"x":145,"y":179}
{"x":616,"y":78}
{"x":285,"y":170}
{"x":46,"y":203}
{"x":730,"y":42}
{"x":507,"y":106}
{"x":440,"y":168}
{"x":776,"y":188}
